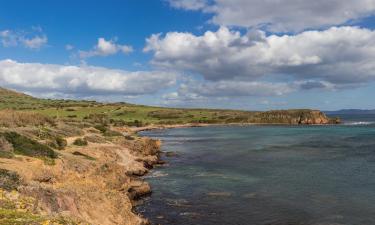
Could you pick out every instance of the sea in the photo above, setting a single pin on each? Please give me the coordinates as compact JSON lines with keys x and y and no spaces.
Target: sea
{"x":265,"y":175}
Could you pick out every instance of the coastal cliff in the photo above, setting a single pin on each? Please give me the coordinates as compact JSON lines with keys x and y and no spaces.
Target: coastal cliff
{"x":61,"y":174}
{"x":294,"y":117}
{"x":82,"y":162}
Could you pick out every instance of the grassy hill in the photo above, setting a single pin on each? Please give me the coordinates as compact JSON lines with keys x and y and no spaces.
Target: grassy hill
{"x":121,"y":114}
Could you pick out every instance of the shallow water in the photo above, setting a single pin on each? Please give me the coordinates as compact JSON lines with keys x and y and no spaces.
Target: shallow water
{"x":266,"y":175}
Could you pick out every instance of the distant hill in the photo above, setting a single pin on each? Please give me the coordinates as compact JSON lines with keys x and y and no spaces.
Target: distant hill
{"x":352,"y":112}
{"x":139,"y":115}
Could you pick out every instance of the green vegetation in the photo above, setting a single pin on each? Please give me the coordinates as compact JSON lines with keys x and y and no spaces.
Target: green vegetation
{"x":9,"y":180}
{"x":58,"y":143}
{"x":124,"y":114}
{"x":25,"y":146}
{"x":80,"y":142}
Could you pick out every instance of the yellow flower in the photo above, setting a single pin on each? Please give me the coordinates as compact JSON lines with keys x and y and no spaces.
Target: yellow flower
{"x":47,"y":222}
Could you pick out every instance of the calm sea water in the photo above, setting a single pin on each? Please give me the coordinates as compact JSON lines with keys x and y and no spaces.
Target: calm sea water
{"x":266,"y":175}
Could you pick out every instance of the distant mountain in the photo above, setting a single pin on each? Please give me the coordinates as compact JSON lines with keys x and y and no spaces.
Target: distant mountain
{"x":352,"y":111}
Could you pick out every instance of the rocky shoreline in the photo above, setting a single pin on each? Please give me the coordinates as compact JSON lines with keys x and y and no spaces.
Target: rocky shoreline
{"x":98,"y":183}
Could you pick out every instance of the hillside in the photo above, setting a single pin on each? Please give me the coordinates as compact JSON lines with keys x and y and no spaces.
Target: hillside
{"x":123,"y":114}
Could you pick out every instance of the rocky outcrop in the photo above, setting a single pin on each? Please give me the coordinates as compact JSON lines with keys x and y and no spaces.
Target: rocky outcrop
{"x":293,"y":117}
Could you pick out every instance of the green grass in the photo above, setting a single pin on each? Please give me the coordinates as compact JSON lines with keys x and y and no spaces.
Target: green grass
{"x":138,"y":115}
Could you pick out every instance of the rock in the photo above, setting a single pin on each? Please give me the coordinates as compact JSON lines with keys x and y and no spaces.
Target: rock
{"x":139,"y":172}
{"x":160,"y":162}
{"x":171,"y":154}
{"x":139,"y":189}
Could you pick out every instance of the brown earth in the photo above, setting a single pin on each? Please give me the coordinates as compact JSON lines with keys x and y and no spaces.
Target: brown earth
{"x":99,"y":186}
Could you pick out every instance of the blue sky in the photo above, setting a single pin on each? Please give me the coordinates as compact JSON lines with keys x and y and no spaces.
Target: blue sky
{"x":243,"y":54}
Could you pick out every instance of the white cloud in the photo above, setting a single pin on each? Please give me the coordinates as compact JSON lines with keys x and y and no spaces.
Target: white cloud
{"x":188,"y":4}
{"x":81,"y":80}
{"x":286,"y":15}
{"x":34,"y":42}
{"x":106,"y":48}
{"x":339,"y":55}
{"x":35,"y":39}
{"x":69,"y":47}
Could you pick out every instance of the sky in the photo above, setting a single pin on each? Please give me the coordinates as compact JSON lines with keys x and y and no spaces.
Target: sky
{"x":238,"y":54}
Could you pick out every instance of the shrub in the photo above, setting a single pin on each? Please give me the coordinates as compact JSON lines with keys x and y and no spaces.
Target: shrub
{"x":112,"y":133}
{"x":9,"y":180}
{"x":80,"y":142}
{"x":102,"y":128}
{"x":25,"y":146}
{"x":61,"y":142}
{"x":58,"y":143}
{"x":135,"y":123}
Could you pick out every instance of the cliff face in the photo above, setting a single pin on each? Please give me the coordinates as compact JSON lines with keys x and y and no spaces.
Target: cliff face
{"x":294,"y":117}
{"x":95,"y":183}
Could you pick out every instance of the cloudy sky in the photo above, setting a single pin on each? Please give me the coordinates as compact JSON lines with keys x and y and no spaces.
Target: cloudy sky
{"x":242,"y":54}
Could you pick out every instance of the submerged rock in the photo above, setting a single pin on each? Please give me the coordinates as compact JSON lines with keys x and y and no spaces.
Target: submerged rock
{"x":171,"y":154}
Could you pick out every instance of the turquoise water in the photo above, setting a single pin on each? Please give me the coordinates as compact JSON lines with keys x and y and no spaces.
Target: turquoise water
{"x":266,"y":175}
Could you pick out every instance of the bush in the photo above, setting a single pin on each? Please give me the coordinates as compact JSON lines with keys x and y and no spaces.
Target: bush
{"x":136,"y":123}
{"x":101,"y":128}
{"x":80,"y":142}
{"x":112,"y":133}
{"x":25,"y":146}
{"x":58,"y":143}
{"x":9,"y":180}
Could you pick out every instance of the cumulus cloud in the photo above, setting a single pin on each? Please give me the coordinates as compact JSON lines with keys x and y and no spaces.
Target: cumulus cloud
{"x":276,"y":15}
{"x":106,"y":48}
{"x":34,"y":39}
{"x":339,"y":55}
{"x":81,"y":80}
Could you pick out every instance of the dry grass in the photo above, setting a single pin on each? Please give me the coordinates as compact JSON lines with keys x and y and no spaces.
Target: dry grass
{"x":11,"y":118}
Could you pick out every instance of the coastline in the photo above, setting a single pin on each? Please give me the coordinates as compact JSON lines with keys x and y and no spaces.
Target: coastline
{"x":100,"y":183}
{"x":136,"y":130}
